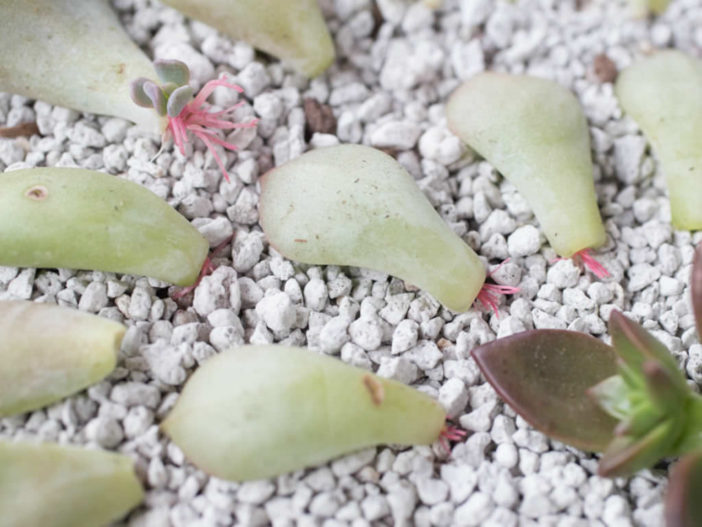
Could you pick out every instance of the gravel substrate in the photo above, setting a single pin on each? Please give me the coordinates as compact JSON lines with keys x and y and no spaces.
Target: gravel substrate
{"x":397,"y":63}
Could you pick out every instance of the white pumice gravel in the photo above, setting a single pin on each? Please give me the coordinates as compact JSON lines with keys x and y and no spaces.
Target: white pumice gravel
{"x":397,"y":63}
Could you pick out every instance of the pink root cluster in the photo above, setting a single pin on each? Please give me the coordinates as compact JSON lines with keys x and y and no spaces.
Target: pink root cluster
{"x":489,"y":295}
{"x":450,"y":433}
{"x":585,"y":258}
{"x":196,"y":119}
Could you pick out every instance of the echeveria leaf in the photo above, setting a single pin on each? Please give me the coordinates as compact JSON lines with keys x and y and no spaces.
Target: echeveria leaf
{"x":672,"y":123}
{"x":173,"y":71}
{"x":662,"y":389}
{"x":156,"y":95}
{"x":72,"y":350}
{"x":635,"y":346}
{"x":52,"y":485}
{"x":137,"y":93}
{"x":696,"y":288}
{"x":544,"y":376}
{"x":260,"y":411}
{"x":535,"y":133}
{"x":626,"y":455}
{"x":683,"y":506}
{"x":178,"y":99}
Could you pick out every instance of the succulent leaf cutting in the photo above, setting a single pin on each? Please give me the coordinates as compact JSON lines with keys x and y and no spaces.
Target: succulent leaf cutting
{"x":186,"y":112}
{"x":534,"y":132}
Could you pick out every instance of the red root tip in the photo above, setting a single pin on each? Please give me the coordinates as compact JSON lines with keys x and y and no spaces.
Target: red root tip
{"x":206,"y":269}
{"x":450,"y":433}
{"x":591,"y":264}
{"x":489,"y":295}
{"x":196,"y":119}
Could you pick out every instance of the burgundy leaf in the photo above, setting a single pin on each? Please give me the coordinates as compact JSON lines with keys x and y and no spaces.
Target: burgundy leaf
{"x":696,"y":287}
{"x":683,"y":503}
{"x":635,"y":346}
{"x":544,"y":374}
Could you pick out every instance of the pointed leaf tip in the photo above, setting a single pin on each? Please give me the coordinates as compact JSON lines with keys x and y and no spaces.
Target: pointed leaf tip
{"x":544,"y":376}
{"x":173,"y":71}
{"x":635,"y":346}
{"x":696,"y":288}
{"x":683,"y":508}
{"x":178,"y":100}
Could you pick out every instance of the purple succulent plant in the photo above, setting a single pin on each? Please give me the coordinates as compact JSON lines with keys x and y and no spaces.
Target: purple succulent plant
{"x":629,"y":400}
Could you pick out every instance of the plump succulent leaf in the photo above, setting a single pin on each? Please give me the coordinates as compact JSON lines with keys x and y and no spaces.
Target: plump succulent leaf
{"x":48,"y":352}
{"x":156,"y":95}
{"x":696,"y":288}
{"x":535,"y":133}
{"x":137,"y":93}
{"x":75,"y":54}
{"x":636,"y":346}
{"x":259,"y":411}
{"x":683,"y":506}
{"x":49,"y":485}
{"x":172,"y":71}
{"x":83,"y":219}
{"x":355,"y":205}
{"x":544,"y":376}
{"x":178,"y":99}
{"x":662,"y":94}
{"x":293,"y":31}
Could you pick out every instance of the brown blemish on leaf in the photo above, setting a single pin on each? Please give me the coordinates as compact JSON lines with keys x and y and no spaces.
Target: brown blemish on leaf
{"x":300,"y":240}
{"x":37,"y":193}
{"x":375,"y":389}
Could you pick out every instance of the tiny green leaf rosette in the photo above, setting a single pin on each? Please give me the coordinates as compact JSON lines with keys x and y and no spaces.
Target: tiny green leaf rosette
{"x":355,"y":205}
{"x":83,"y":219}
{"x":260,"y":411}
{"x":663,"y":94}
{"x":73,"y":53}
{"x":48,"y":485}
{"x":48,"y":352}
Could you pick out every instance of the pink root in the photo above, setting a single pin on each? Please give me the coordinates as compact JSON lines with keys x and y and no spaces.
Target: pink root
{"x":195,"y":118}
{"x":591,"y":264}
{"x":588,"y":261}
{"x":207,"y":268}
{"x":450,"y":433}
{"x":489,"y":295}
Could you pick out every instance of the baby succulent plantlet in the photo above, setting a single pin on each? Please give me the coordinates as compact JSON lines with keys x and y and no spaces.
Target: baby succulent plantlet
{"x":72,"y":53}
{"x":259,"y":411}
{"x":292,"y":31}
{"x":49,"y":352}
{"x":82,"y":219}
{"x":662,"y":94}
{"x":534,"y":132}
{"x":354,"y":205}
{"x":187,"y":114}
{"x":64,"y":486}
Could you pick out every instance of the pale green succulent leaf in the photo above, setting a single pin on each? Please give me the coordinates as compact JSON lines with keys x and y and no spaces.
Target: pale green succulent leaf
{"x":178,"y":100}
{"x":172,"y":71}
{"x":260,"y":411}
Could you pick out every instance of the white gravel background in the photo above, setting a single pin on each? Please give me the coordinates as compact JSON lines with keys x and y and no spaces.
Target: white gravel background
{"x":397,"y":63}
